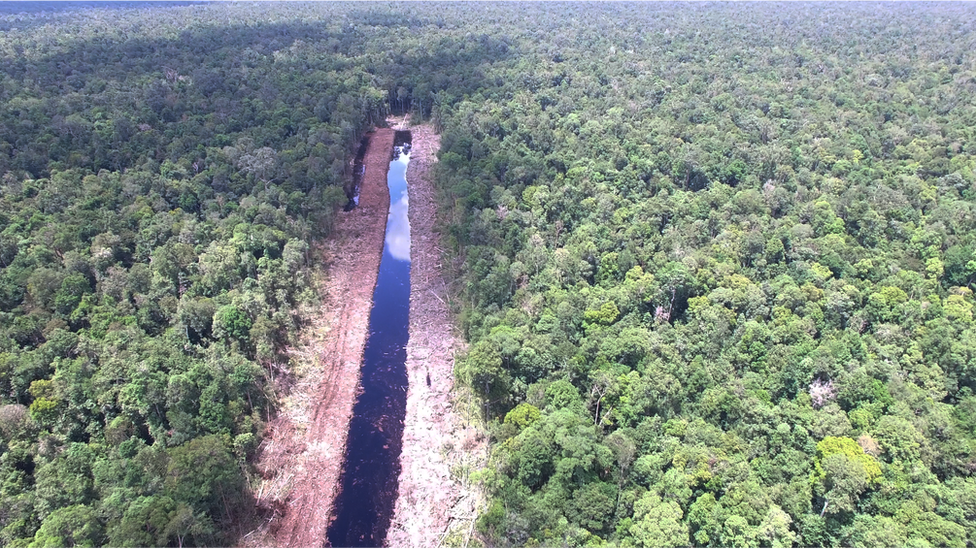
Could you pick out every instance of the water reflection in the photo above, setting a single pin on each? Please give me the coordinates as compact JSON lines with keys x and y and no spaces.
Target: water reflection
{"x":397,"y":224}
{"x":369,"y":485}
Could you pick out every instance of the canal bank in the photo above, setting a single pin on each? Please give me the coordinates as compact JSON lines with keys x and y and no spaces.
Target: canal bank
{"x":372,"y":462}
{"x":302,"y":455}
{"x":441,"y":442}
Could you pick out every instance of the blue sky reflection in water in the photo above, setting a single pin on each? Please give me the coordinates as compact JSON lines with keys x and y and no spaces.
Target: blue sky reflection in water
{"x":397,"y":226}
{"x":369,"y":484}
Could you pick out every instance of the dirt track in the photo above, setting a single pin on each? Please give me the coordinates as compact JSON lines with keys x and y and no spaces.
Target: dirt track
{"x":302,"y":456}
{"x":435,"y":438}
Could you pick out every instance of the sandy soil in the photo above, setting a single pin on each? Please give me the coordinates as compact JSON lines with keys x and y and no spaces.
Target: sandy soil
{"x":302,"y":456}
{"x":440,"y":445}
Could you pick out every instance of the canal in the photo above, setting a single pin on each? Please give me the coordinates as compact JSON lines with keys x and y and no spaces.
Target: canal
{"x":364,"y":507}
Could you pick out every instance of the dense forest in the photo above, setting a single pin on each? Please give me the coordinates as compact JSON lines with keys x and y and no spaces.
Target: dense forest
{"x":40,"y":8}
{"x":714,"y":261}
{"x":718,"y":266}
{"x":164,"y":176}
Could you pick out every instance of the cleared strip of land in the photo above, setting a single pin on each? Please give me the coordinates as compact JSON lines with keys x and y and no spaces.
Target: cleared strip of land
{"x":436,"y":438}
{"x":302,"y":457}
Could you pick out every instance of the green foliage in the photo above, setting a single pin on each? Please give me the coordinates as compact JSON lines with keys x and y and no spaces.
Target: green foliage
{"x":658,"y":523}
{"x":231,"y":322}
{"x":697,"y":256}
{"x":483,"y":370}
{"x":146,"y":523}
{"x":593,"y":506}
{"x":203,"y":473}
{"x":522,"y":415}
{"x":846,"y":447}
{"x":156,"y":215}
{"x":754,"y":268}
{"x":73,"y":526}
{"x":606,"y":315}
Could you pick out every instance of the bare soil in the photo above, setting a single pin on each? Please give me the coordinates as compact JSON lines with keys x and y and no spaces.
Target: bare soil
{"x":301,"y":459}
{"x":441,"y":442}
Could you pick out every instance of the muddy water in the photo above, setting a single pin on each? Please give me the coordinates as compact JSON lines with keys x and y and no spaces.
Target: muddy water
{"x":358,"y":169}
{"x":369,"y":484}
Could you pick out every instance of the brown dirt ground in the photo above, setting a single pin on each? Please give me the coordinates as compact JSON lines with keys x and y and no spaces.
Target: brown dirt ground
{"x":302,"y":455}
{"x":441,"y":445}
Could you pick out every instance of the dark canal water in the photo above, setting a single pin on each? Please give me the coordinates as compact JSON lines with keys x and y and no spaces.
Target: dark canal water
{"x":358,"y":168}
{"x":369,"y":483}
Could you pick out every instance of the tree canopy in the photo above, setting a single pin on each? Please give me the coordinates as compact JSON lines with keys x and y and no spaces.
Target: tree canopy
{"x":715,"y":262}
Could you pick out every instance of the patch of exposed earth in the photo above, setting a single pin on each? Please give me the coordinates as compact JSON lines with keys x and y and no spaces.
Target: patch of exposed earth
{"x":301,"y":459}
{"x":441,"y":443}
